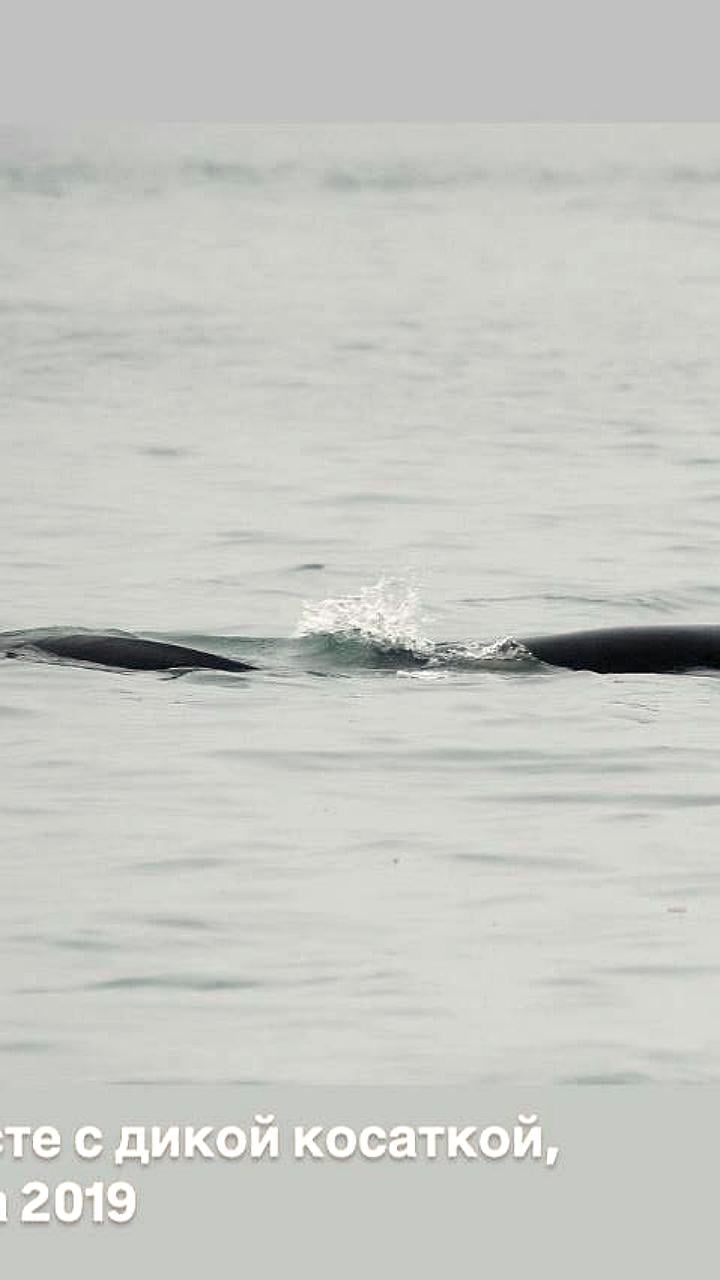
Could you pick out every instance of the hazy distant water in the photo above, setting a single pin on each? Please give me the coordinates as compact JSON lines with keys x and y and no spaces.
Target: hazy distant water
{"x":242,"y":370}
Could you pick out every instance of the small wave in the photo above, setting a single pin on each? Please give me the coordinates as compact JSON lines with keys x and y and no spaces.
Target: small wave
{"x":400,"y":178}
{"x":47,"y":179}
{"x":693,"y":175}
{"x":503,"y":652}
{"x":382,"y":626}
{"x":235,"y":173}
{"x":141,"y":175}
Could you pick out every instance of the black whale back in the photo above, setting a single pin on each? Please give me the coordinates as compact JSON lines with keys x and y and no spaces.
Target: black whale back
{"x":630,"y":649}
{"x":134,"y":654}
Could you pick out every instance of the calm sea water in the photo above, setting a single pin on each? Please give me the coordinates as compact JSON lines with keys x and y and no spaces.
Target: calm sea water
{"x":311,"y":396}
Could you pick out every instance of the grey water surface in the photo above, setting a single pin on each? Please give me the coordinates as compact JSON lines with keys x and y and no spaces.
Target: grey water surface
{"x":322,"y":398}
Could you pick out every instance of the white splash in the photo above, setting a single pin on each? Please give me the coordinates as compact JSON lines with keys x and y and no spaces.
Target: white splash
{"x":472,"y":652}
{"x":507,"y":648}
{"x":386,"y":614}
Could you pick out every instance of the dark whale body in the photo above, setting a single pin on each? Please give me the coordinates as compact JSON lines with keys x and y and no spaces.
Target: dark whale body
{"x":133,"y":654}
{"x":627,"y":649}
